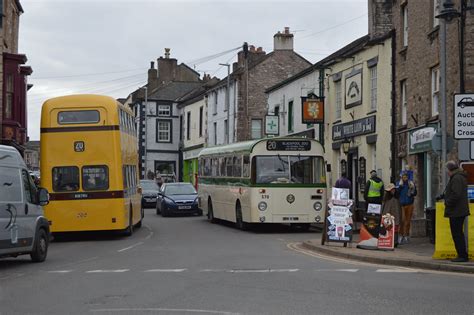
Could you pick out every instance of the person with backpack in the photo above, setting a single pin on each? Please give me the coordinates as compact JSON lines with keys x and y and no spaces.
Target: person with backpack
{"x":407,"y":192}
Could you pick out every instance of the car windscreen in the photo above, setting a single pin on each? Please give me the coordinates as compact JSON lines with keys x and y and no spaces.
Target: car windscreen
{"x":10,"y":185}
{"x":149,"y":185}
{"x":281,"y":169}
{"x":180,"y":190}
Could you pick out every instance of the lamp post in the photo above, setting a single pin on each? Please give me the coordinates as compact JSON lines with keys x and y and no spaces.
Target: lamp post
{"x":447,"y":14}
{"x":227,"y":100}
{"x":146,"y":131}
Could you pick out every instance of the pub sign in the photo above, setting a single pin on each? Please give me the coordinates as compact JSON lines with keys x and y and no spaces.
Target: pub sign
{"x":312,"y":110}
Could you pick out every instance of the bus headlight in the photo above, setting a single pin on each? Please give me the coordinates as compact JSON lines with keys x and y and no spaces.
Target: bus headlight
{"x":262,"y":206}
{"x":317,"y":219}
{"x":317,"y":206}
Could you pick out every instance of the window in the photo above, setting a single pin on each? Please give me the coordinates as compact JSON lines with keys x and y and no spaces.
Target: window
{"x":237,"y":166}
{"x":373,"y":88}
{"x":226,"y":131}
{"x":214,"y":104}
{"x":256,"y":128}
{"x":290,"y":116}
{"x":276,"y":110}
{"x":285,"y":169}
{"x":215,"y":133}
{"x":181,"y":126}
{"x":405,"y":25}
{"x":338,"y":99}
{"x":31,"y":193}
{"x":81,"y":117}
{"x":435,"y":12}
{"x":246,"y":166}
{"x":435,"y":82}
{"x":229,"y":167}
{"x":97,"y":177}
{"x":201,"y":111}
{"x":164,"y":110}
{"x":66,"y":178}
{"x":163,"y":131}
{"x":404,"y":102}
{"x":10,"y":185}
{"x":9,"y":97}
{"x":188,"y":126}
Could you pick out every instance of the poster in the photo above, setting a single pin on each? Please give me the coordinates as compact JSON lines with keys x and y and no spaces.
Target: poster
{"x":339,"y":224}
{"x":374,"y":208}
{"x":369,"y":232}
{"x":386,"y":240}
{"x":340,"y":196}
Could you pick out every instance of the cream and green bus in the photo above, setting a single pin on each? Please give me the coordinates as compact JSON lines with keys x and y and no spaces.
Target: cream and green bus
{"x":272,"y":180}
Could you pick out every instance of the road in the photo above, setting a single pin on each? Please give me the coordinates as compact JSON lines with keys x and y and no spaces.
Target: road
{"x":186,"y":265}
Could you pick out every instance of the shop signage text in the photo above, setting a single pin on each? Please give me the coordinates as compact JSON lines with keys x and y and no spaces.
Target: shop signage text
{"x":420,"y":139}
{"x":354,"y":128}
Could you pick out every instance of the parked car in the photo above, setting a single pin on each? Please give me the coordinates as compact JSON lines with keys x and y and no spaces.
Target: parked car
{"x":177,"y":198}
{"x":149,"y":193}
{"x":23,"y":228}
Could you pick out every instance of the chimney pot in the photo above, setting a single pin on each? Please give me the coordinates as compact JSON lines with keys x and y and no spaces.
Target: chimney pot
{"x":167,"y":53}
{"x":287,"y":30}
{"x":252,"y":48}
{"x":152,"y":65}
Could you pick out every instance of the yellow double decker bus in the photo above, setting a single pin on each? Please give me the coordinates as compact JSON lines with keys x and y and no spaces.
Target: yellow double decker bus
{"x":89,"y":164}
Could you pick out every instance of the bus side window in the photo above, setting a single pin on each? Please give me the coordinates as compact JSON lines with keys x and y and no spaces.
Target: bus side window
{"x":246,"y":166}
{"x":222,"y":166}
{"x":228,"y":163}
{"x":237,"y":166}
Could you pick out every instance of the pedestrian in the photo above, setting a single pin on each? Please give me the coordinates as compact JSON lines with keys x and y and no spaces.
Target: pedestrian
{"x":391,"y":205}
{"x":456,"y":207}
{"x":373,"y":189}
{"x":407,"y":192}
{"x":343,"y":182}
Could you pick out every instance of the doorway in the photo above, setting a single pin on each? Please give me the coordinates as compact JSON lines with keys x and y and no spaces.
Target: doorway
{"x":353,"y":174}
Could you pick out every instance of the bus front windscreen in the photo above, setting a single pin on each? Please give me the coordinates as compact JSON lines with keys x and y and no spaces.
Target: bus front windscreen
{"x":294,"y":169}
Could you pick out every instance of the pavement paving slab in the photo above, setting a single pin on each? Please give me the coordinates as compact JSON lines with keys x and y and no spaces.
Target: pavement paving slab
{"x":416,"y":254}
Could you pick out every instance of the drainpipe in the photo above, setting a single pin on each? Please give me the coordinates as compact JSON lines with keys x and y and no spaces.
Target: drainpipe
{"x":394,"y":111}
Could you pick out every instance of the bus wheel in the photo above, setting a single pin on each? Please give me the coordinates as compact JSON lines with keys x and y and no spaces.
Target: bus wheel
{"x":210,"y":212}
{"x":142,"y":215}
{"x":129,"y":230}
{"x":239,"y":221}
{"x":40,"y":249}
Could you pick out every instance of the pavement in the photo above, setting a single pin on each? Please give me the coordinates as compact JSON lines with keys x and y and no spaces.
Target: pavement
{"x":416,"y":254}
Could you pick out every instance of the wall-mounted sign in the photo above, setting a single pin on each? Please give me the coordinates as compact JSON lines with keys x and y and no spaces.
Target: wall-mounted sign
{"x":288,"y":145}
{"x":362,"y":171}
{"x":312,"y":110}
{"x":272,"y":125}
{"x":464,"y":116}
{"x":353,"y":90}
{"x":354,"y":128}
{"x":419,"y":140}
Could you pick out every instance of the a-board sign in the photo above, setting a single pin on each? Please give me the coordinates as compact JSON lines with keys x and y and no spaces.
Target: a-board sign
{"x":339,"y":223}
{"x":288,"y":145}
{"x":464,"y":116}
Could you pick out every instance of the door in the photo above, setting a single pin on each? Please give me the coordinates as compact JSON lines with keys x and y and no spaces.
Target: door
{"x":353,"y":174}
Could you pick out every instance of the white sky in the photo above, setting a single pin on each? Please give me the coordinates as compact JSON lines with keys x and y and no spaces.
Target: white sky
{"x":105,"y":46}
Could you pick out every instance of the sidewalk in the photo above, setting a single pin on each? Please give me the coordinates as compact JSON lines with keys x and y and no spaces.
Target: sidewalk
{"x":416,"y":254}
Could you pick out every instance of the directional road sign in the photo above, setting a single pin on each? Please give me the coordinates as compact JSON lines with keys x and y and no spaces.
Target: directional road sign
{"x":464,"y":116}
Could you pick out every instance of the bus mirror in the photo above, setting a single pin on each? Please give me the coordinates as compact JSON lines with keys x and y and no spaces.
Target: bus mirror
{"x":328,"y":168}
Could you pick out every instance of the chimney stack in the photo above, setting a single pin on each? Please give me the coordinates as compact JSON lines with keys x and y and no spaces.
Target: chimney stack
{"x":152,"y":76}
{"x":167,"y":68}
{"x":380,"y":17}
{"x":283,"y":41}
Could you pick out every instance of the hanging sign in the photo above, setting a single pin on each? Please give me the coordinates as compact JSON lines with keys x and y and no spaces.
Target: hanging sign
{"x":271,"y":125}
{"x":312,"y":110}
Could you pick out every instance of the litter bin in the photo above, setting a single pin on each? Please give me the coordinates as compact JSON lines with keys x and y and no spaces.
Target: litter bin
{"x":431,"y":223}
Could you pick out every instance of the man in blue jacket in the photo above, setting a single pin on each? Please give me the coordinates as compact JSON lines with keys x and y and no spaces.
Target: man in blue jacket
{"x":407,"y":192}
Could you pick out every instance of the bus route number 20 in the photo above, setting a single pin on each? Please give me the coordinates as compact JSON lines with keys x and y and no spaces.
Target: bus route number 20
{"x":79,"y":146}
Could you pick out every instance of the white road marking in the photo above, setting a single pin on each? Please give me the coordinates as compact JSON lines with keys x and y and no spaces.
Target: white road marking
{"x":397,"y":270}
{"x":175,"y":310}
{"x":248,"y":270}
{"x":108,"y":271}
{"x":166,"y":270}
{"x":59,"y":271}
{"x":212,"y":270}
{"x":130,"y":247}
{"x":284,"y":270}
{"x":150,"y":234}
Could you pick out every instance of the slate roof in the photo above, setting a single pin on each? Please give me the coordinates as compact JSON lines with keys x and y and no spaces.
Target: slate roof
{"x":173,"y":90}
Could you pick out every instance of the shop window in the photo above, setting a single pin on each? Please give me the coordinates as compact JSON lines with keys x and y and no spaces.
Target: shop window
{"x":435,"y":82}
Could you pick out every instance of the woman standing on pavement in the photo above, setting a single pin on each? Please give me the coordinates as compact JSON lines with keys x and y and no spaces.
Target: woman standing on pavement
{"x":407,"y":193}
{"x":391,"y":205}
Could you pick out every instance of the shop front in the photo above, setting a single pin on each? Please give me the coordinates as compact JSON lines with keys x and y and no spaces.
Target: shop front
{"x":190,"y":165}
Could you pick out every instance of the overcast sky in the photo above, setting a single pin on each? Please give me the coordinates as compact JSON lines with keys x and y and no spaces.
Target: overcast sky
{"x":105,"y":46}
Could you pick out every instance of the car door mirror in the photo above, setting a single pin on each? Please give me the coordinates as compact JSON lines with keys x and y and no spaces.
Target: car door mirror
{"x":43,"y":197}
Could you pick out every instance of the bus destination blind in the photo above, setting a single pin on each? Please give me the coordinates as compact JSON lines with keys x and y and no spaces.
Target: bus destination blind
{"x":288,"y":145}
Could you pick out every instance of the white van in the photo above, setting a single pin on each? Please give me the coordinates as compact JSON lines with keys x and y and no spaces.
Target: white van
{"x":23,"y":228}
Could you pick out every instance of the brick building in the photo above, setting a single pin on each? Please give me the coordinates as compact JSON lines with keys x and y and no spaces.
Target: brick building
{"x":13,"y":78}
{"x":416,"y":90}
{"x":252,"y":74}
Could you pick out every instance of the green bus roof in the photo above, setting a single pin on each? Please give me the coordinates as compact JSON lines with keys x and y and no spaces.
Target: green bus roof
{"x":244,"y":146}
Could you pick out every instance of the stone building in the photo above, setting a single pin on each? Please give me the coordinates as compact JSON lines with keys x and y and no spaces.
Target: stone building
{"x":158,"y":122}
{"x":252,"y":74}
{"x":13,"y":78}
{"x":417,"y":95}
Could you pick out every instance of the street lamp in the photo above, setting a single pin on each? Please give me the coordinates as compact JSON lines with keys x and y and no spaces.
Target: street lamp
{"x":447,"y":14}
{"x":146,"y":131}
{"x":346,"y":145}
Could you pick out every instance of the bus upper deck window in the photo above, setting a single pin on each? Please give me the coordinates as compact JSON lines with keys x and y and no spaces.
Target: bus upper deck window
{"x":66,"y":178}
{"x":79,"y":117}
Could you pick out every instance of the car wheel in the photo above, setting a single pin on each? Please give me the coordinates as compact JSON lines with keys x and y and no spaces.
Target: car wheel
{"x":40,"y":249}
{"x":199,"y":213}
